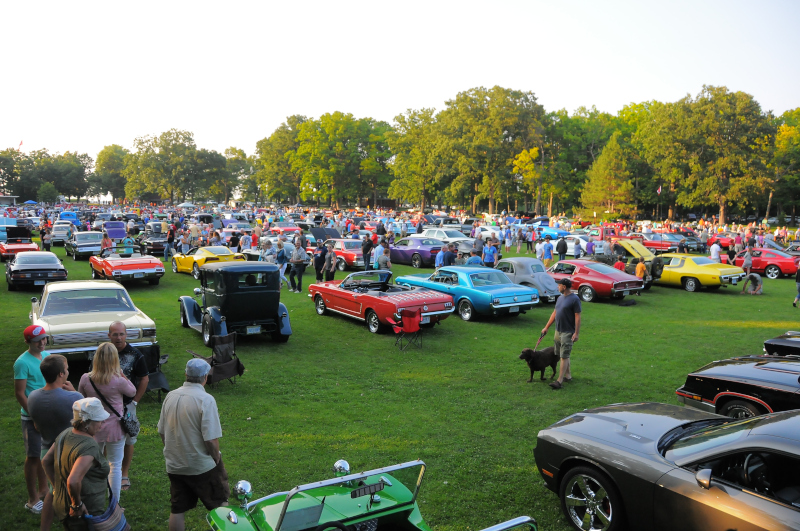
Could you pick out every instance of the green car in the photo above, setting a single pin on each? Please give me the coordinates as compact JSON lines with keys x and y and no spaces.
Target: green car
{"x":378,"y":500}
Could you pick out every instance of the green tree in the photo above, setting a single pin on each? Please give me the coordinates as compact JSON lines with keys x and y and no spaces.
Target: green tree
{"x":47,"y":193}
{"x":163,"y":164}
{"x":275,"y":172}
{"x":608,"y":188}
{"x":108,"y":175}
{"x":374,"y":174}
{"x":787,"y":161}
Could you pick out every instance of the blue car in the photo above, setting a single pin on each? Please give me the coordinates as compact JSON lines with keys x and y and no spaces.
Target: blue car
{"x":553,"y":232}
{"x":477,"y":290}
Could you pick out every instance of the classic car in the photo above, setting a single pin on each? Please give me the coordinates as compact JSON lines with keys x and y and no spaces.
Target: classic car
{"x":463,"y":243}
{"x":792,"y":249}
{"x":241,"y":297}
{"x":77,"y":313}
{"x":772,"y":263}
{"x":725,"y":239}
{"x":477,"y":290}
{"x":112,"y":266}
{"x":34,"y":268}
{"x":197,"y":256}
{"x":694,"y":272}
{"x":592,"y":280}
{"x":418,"y":252}
{"x":553,"y":232}
{"x":82,"y":244}
{"x":631,"y":252}
{"x":371,"y":297}
{"x":665,"y":467}
{"x":226,"y":234}
{"x":692,"y":243}
{"x":579,"y":239}
{"x":348,"y":253}
{"x":152,"y":240}
{"x":744,"y":386}
{"x":784,"y":345}
{"x":18,"y":240}
{"x":283,"y":227}
{"x":657,"y":243}
{"x":530,"y":272}
{"x":116,"y":230}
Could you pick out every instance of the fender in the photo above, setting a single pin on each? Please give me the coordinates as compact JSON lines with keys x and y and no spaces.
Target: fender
{"x":220,"y":328}
{"x":283,"y":315}
{"x":192,"y":309}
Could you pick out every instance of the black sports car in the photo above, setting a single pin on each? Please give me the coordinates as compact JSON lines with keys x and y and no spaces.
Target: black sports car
{"x":744,"y":387}
{"x":152,"y":240}
{"x":785,"y":345}
{"x":34,"y":268}
{"x":667,"y":467}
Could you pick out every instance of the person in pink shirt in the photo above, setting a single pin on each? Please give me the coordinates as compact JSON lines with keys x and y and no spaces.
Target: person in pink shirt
{"x":107,"y":382}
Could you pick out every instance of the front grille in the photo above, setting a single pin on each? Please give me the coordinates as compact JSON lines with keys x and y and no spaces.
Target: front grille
{"x":90,"y":337}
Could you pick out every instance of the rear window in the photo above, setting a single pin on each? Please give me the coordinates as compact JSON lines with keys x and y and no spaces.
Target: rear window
{"x":602,"y":268}
{"x":258,"y":280}
{"x":36,"y":259}
{"x":701,"y":260}
{"x":489,"y":278}
{"x":88,"y":236}
{"x":218,"y":250}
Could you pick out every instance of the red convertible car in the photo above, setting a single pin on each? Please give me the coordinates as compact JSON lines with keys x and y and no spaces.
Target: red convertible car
{"x":770,"y":262}
{"x":370,"y":296}
{"x":19,"y":240}
{"x":135,"y":267}
{"x":592,"y":279}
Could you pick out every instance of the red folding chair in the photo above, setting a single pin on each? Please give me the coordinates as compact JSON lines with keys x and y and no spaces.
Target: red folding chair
{"x":407,"y":330}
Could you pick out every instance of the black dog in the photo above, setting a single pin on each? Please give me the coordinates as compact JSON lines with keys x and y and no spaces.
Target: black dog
{"x":539,"y":360}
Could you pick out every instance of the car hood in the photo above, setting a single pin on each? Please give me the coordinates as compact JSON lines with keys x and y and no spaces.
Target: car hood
{"x":637,"y":427}
{"x":769,"y":372}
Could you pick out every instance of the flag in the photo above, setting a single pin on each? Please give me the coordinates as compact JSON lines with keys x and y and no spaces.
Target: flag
{"x":20,"y":145}
{"x":659,"y":190}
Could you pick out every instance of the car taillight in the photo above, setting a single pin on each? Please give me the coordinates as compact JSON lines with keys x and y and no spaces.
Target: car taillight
{"x":20,"y":275}
{"x":212,"y":259}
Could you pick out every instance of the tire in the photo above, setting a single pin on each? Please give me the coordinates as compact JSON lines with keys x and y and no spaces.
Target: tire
{"x":74,"y":256}
{"x":153,"y":281}
{"x":11,"y":287}
{"x":195,"y":271}
{"x":772,"y":272}
{"x":740,"y":409}
{"x":465,"y":310}
{"x":603,"y":512}
{"x":319,"y":305}
{"x":373,"y":323}
{"x":341,"y":265}
{"x":416,"y":261}
{"x":587,"y":294}
{"x":277,"y":337}
{"x":582,"y":254}
{"x":184,"y":319}
{"x":691,"y":284}
{"x":174,"y":266}
{"x":647,"y":286}
{"x":208,"y":331}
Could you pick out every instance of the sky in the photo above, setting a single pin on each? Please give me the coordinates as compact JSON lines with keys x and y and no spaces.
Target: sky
{"x":78,"y":76}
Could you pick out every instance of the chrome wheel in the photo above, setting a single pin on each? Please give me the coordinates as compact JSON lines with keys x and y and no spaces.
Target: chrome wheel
{"x":691,"y":284}
{"x":341,"y":265}
{"x":319,"y":305}
{"x":465,"y":310}
{"x":373,"y":323}
{"x":586,"y":294}
{"x":208,"y":336}
{"x":772,"y":272}
{"x":174,"y":266}
{"x":416,"y":261}
{"x":587,"y":502}
{"x":196,"y":272}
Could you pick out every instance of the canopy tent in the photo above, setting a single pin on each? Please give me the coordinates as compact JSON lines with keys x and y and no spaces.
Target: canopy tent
{"x":30,"y":202}
{"x":186,"y":205}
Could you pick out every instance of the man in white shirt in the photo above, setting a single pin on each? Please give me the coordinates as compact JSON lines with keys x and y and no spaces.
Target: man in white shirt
{"x":715,"y":249}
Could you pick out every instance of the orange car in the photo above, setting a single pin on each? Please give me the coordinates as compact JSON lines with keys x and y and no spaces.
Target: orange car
{"x":135,"y":267}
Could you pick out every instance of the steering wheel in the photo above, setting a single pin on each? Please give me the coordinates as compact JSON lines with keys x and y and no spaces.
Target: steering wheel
{"x":756,"y":477}
{"x":336,"y":523}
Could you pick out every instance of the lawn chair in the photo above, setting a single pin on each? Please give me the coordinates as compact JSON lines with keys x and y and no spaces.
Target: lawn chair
{"x":407,"y":329}
{"x":157,"y":380}
{"x":225,"y":365}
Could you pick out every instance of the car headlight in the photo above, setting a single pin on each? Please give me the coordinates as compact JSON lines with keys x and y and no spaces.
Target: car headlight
{"x":148,"y":332}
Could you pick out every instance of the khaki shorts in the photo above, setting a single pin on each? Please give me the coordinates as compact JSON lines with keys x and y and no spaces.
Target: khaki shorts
{"x":563,"y":344}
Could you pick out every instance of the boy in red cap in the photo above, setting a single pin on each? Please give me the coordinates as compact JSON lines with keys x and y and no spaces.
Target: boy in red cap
{"x":27,"y":378}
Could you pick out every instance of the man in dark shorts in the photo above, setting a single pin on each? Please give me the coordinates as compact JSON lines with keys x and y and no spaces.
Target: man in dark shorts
{"x":190,"y":430}
{"x":567,"y":316}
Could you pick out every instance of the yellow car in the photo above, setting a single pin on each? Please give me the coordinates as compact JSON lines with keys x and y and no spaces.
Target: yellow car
{"x":197,"y":256}
{"x":693,"y":272}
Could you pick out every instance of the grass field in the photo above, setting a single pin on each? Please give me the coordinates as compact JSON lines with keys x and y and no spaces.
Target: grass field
{"x":461,"y":403}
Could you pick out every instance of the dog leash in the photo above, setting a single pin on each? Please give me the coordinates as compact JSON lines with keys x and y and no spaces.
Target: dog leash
{"x":540,"y":340}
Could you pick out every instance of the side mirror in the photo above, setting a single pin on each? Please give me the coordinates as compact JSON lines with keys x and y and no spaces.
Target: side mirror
{"x":197,"y":291}
{"x":703,"y":478}
{"x":34,"y":300}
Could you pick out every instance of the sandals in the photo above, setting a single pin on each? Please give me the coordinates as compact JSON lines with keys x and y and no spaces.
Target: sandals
{"x":126,"y":483}
{"x":36,"y":508}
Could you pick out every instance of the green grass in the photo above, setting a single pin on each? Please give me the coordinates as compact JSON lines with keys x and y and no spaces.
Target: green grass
{"x":461,"y":403}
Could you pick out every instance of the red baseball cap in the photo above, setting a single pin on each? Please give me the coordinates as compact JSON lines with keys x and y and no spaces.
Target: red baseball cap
{"x":34,"y":333}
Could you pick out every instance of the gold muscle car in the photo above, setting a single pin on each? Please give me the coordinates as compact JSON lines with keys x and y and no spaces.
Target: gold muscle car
{"x":693,"y":272}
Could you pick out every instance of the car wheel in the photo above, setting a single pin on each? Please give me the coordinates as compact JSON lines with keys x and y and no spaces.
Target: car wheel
{"x":740,"y":409}
{"x":195,"y":271}
{"x":184,"y":319}
{"x":691,"y":284}
{"x":74,"y":256}
{"x":373,"y":323}
{"x":208,"y":331}
{"x":277,"y":337}
{"x":11,"y":287}
{"x":174,"y":266}
{"x":772,"y":272}
{"x":582,"y":254}
{"x":647,"y":286}
{"x":416,"y":261}
{"x":341,"y":265}
{"x":586,"y":293}
{"x":319,"y":305}
{"x":95,"y":274}
{"x":153,"y":281}
{"x":590,"y":501}
{"x":465,"y":310}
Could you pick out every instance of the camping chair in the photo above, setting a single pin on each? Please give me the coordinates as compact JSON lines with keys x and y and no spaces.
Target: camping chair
{"x":157,"y":380}
{"x":225,"y":365}
{"x":407,"y":329}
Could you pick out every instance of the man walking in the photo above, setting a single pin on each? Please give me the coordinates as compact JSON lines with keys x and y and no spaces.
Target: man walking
{"x":190,"y":430}
{"x":567,"y":316}
{"x":561,"y":248}
{"x":134,"y":367}
{"x":366,"y":249}
{"x":298,"y":261}
{"x":547,"y":252}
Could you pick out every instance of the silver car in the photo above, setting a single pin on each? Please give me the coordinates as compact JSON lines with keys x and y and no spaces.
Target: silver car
{"x":530,"y":272}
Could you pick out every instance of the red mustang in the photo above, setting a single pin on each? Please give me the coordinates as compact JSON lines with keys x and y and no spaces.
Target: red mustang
{"x":19,"y":240}
{"x":348,"y":253}
{"x":593,"y":279}
{"x":136,"y":267}
{"x":770,"y":262}
{"x":370,"y":296}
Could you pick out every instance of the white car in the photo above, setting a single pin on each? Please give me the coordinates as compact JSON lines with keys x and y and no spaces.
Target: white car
{"x":60,"y":231}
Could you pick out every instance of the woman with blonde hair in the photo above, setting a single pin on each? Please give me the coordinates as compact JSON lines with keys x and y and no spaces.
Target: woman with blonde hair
{"x":107,"y":382}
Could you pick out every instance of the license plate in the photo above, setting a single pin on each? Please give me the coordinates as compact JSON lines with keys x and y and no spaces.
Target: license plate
{"x":734,"y":281}
{"x":551,"y":299}
{"x":425,"y":320}
{"x":253,"y":329}
{"x":513,"y":309}
{"x":626,"y":292}
{"x":38,"y":282}
{"x":138,"y":275}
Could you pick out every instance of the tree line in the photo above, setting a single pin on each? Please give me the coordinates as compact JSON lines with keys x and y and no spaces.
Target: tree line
{"x":493,"y":149}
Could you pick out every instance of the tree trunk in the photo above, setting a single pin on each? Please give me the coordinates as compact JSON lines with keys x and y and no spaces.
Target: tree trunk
{"x":722,"y":210}
{"x":550,"y":206}
{"x":769,"y":205}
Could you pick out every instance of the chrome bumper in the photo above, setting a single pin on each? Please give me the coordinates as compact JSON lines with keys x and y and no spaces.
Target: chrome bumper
{"x":520,"y":304}
{"x":442,"y":312}
{"x":728,"y":279}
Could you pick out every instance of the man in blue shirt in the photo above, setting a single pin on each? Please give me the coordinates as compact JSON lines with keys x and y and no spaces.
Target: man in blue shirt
{"x":449,"y":255}
{"x":439,"y":261}
{"x":548,"y":252}
{"x":474,"y":259}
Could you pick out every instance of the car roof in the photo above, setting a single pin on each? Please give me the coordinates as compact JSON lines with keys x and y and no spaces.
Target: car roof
{"x":785,"y":425}
{"x":521,"y":260}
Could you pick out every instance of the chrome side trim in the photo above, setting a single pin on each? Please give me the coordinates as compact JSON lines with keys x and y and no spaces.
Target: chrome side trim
{"x":92,"y":349}
{"x":697,"y":404}
{"x":345,"y":313}
{"x":515,"y":522}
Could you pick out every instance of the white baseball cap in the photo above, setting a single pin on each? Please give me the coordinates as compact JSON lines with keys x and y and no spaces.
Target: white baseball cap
{"x":89,"y":409}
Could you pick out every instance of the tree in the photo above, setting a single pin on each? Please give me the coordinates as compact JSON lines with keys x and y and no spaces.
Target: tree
{"x":162,"y":164}
{"x":47,"y":193}
{"x":108,"y":176}
{"x":274,"y":155}
{"x":416,"y":165}
{"x":608,"y":188}
{"x":374,"y":175}
{"x":223,"y":183}
{"x":787,"y":161}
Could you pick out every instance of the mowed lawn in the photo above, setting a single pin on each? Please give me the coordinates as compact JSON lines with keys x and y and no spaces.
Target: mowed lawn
{"x":461,"y":403}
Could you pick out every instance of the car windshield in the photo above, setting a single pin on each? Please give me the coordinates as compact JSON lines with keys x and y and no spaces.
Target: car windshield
{"x":453,"y":234}
{"x":537,"y":268}
{"x":36,"y":259}
{"x":489,"y":278}
{"x":352,"y":245}
{"x":87,"y":300}
{"x":709,"y":438}
{"x":283,"y":224}
{"x":602,"y":268}
{"x":432,"y":242}
{"x":88,"y":237}
{"x":220,"y":250}
{"x":702,"y":260}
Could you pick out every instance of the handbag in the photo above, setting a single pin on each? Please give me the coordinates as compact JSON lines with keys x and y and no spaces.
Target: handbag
{"x":130,"y":424}
{"x":113,"y":519}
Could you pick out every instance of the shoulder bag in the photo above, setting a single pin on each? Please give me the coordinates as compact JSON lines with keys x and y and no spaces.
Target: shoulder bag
{"x":130,"y":424}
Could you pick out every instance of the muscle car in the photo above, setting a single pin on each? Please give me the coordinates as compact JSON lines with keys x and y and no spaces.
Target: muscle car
{"x":34,"y":268}
{"x":371,"y":297}
{"x":783,"y":345}
{"x":530,"y":272}
{"x":664,"y":467}
{"x":284,"y":227}
{"x":112,"y":266}
{"x":770,"y":262}
{"x":477,"y":290}
{"x":657,"y":243}
{"x":152,"y":240}
{"x":418,"y":252}
{"x":197,"y":256}
{"x":725,"y":239}
{"x":348,"y":253}
{"x":82,"y":244}
{"x":18,"y":240}
{"x":631,"y":252}
{"x":591,"y":280}
{"x":694,"y":272}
